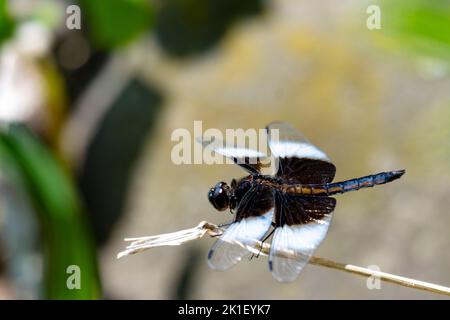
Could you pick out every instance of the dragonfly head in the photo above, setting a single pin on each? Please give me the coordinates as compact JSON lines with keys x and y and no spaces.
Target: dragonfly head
{"x":220,"y":196}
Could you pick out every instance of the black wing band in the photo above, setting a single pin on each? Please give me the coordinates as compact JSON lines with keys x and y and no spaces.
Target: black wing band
{"x":295,"y":209}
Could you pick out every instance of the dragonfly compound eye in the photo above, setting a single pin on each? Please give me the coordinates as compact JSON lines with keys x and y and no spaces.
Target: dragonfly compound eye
{"x":219,"y":196}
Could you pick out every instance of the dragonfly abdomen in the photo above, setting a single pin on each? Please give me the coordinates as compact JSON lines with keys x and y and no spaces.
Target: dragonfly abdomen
{"x":329,"y":189}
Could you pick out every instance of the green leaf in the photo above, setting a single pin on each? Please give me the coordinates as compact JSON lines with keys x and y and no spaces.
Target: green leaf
{"x":105,"y":188}
{"x":115,"y":23}
{"x":422,"y":26}
{"x":6,"y":23}
{"x":67,"y":239}
{"x":187,"y":27}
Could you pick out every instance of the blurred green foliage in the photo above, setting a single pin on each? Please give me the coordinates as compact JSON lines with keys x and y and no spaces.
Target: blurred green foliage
{"x":422,"y":26}
{"x":47,"y":14}
{"x":113,"y":152}
{"x":6,"y":23}
{"x":114,"y":23}
{"x":185,"y":27}
{"x":66,"y":237}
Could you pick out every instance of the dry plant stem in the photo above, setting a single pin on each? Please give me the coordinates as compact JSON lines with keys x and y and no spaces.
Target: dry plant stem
{"x":406,"y":282}
{"x":180,"y":237}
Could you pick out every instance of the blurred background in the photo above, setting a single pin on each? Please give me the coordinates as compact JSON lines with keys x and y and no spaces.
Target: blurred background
{"x":89,"y":97}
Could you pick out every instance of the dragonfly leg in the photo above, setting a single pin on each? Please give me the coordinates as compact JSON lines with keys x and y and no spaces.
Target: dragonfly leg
{"x":262,"y":243}
{"x":222,"y":225}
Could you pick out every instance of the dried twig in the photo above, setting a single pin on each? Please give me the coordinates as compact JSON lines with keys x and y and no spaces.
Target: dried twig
{"x":204,"y":227}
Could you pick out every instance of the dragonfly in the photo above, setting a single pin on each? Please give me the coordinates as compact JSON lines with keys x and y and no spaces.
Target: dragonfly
{"x":293,"y":205}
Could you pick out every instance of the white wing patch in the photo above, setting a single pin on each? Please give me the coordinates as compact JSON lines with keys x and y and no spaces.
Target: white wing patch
{"x":231,"y":247}
{"x":289,"y":149}
{"x":240,"y":153}
{"x":227,"y":150}
{"x":293,"y":246}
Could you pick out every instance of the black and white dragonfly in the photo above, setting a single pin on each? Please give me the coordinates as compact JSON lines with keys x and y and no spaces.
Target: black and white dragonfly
{"x":293,"y":205}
